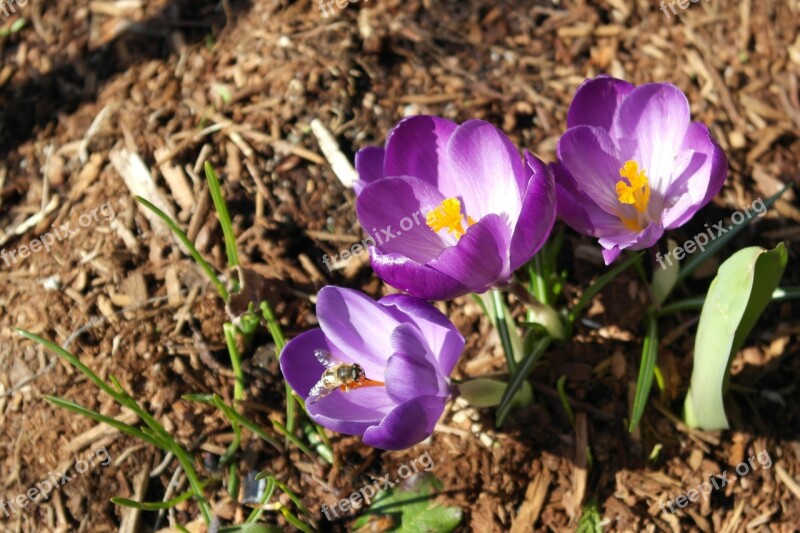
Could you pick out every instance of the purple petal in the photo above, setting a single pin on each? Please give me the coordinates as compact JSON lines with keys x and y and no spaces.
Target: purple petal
{"x":358,"y":326}
{"x":652,"y":120}
{"x":487,"y":171}
{"x":352,"y":412}
{"x":589,"y":155}
{"x":369,"y":165}
{"x":573,"y":206}
{"x":613,"y":245}
{"x":596,"y":101}
{"x":386,"y":207}
{"x":700,"y":172}
{"x":411,"y":372}
{"x":480,"y":259}
{"x":410,"y":423}
{"x":417,"y":147}
{"x":414,"y":278}
{"x":537,"y":216}
{"x":444,"y":339}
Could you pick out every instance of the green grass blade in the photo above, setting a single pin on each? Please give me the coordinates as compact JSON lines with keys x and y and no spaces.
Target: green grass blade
{"x":223,"y":215}
{"x":71,"y":359}
{"x":598,"y":285}
{"x":562,"y":395}
{"x":646,"y":371}
{"x":717,"y":244}
{"x":519,"y":377}
{"x":235,"y":417}
{"x":504,"y":330}
{"x":107,"y":420}
{"x":236,"y":361}
{"x":295,"y":440}
{"x":153,"y":506}
{"x":266,"y":497}
{"x":205,"y":265}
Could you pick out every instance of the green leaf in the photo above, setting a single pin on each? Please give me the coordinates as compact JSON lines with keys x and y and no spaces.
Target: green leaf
{"x":413,"y":511}
{"x":591,"y":519}
{"x":598,"y":285}
{"x":223,"y":215}
{"x":665,"y":277}
{"x":698,"y":259}
{"x":250,"y":528}
{"x":738,"y":295}
{"x":506,"y":328}
{"x":486,"y":392}
{"x":519,"y":377}
{"x":205,"y":265}
{"x":562,"y":395}
{"x":646,"y":371}
{"x":153,"y":506}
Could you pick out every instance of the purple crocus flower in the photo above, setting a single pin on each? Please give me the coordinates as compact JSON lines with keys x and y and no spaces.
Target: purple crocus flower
{"x":632,"y":164}
{"x":394,"y":357}
{"x":451,"y":209}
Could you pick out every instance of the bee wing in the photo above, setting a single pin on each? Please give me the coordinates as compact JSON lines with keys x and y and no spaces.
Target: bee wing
{"x":325,"y":358}
{"x":318,"y":392}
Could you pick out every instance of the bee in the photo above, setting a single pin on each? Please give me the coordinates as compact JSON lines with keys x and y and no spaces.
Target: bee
{"x":337,"y":375}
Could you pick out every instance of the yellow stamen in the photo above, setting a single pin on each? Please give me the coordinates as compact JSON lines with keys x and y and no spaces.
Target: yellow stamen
{"x":448,"y":216}
{"x":636,"y":191}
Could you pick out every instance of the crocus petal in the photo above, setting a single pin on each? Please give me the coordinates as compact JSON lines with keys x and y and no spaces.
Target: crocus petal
{"x":408,"y":424}
{"x":596,"y":101}
{"x":444,"y":339}
{"x":382,"y":207}
{"x":357,"y":326}
{"x":577,"y":209}
{"x":411,"y":372}
{"x":653,"y":119}
{"x":487,"y":171}
{"x":589,"y":154}
{"x":352,"y":412}
{"x":414,"y":278}
{"x":417,"y":147}
{"x":369,"y":165}
{"x":635,"y":241}
{"x":480,"y":259}
{"x":537,"y":216}
{"x":697,"y":181}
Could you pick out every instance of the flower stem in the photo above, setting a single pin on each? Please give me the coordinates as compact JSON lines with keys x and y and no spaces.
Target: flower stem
{"x":503,"y":330}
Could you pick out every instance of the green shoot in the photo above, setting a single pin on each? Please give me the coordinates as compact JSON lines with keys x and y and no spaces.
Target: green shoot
{"x":207,"y":268}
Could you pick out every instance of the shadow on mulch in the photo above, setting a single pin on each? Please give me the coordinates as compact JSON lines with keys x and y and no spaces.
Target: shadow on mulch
{"x":39,"y":100}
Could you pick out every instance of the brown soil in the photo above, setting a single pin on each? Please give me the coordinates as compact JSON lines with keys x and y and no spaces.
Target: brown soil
{"x":84,"y":81}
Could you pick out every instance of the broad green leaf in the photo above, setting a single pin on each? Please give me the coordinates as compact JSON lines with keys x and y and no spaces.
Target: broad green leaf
{"x":665,"y":276}
{"x":487,"y":392}
{"x":737,"y":297}
{"x":413,"y":511}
